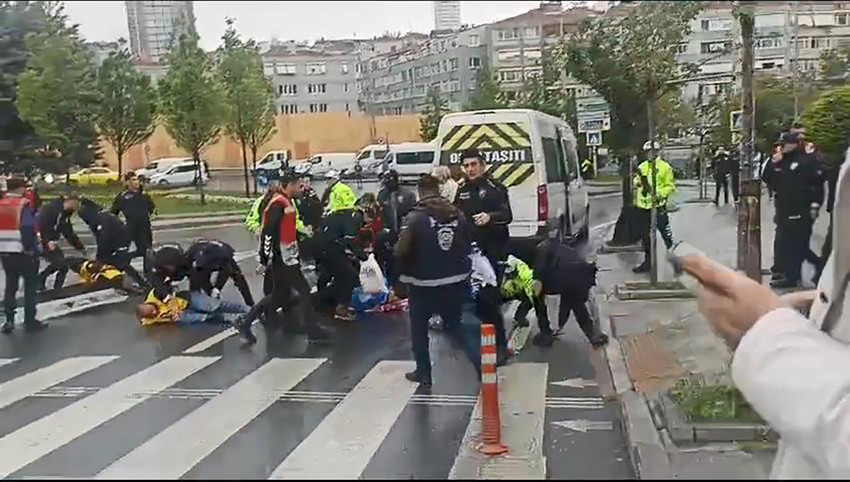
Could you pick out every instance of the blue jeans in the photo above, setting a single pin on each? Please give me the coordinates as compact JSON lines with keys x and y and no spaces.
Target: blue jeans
{"x":203,"y":308}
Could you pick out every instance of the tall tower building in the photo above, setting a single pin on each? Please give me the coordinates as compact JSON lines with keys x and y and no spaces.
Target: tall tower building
{"x":446,"y":15}
{"x":154,"y":23}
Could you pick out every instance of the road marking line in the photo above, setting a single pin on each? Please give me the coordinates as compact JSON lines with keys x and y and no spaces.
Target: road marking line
{"x":31,"y":383}
{"x":342,"y":445}
{"x":600,"y":227}
{"x":39,"y":438}
{"x":522,"y":396}
{"x":213,"y":340}
{"x":174,"y":451}
{"x":7,"y":361}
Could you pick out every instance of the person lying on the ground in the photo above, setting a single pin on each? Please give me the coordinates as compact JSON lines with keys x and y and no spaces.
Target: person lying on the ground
{"x":207,"y":256}
{"x":560,"y":270}
{"x":113,"y":239}
{"x":93,"y":272}
{"x":187,"y":308}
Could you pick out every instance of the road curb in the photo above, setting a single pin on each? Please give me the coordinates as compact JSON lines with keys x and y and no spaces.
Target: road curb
{"x":604,"y":193}
{"x":648,"y":455}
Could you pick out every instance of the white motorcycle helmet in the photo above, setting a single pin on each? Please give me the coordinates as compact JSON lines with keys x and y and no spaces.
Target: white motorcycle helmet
{"x":647,"y":148}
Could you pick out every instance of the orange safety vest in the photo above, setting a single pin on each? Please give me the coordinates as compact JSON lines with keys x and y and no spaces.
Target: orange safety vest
{"x":11,"y":207}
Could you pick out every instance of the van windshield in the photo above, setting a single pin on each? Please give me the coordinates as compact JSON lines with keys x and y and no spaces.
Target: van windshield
{"x":364,"y":155}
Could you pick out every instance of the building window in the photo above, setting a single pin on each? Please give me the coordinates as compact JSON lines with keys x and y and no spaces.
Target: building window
{"x":716,"y":24}
{"x":345,"y":87}
{"x":474,"y":63}
{"x":454,"y":86}
{"x":346,"y":106}
{"x":682,"y":48}
{"x":510,"y":75}
{"x":532,"y":32}
{"x":768,"y":42}
{"x":714,"y":47}
{"x":453,"y":64}
{"x":287,"y":89}
{"x":285,"y":69}
{"x":474,"y":41}
{"x":510,"y":34}
{"x":472,"y":85}
{"x":316,"y":88}
{"x":288,"y":109}
{"x":343,"y":69}
{"x":318,"y":108}
{"x":319,"y":68}
{"x":842,"y":18}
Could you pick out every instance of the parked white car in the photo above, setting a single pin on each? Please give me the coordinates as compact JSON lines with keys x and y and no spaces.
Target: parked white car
{"x":159,"y":166}
{"x":181,"y":174}
{"x":319,"y":164}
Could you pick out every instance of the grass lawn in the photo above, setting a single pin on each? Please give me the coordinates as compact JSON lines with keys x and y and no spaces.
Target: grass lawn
{"x":702,"y":402}
{"x":165,"y":204}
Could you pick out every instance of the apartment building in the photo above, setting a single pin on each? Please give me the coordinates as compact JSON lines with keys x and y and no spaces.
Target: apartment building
{"x":516,"y":45}
{"x":153,"y":24}
{"x":397,"y":83}
{"x":312,"y":79}
{"x":446,"y":15}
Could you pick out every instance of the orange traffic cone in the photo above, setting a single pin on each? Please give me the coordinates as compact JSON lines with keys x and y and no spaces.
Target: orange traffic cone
{"x":491,"y":422}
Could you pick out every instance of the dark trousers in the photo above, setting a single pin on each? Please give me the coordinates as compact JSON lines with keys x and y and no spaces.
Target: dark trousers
{"x":446,"y":301}
{"x":795,"y":248}
{"x":734,"y":180}
{"x":573,"y":303}
{"x":336,"y":265}
{"x":662,"y":223}
{"x":143,"y":239}
{"x":488,"y":308}
{"x":384,"y":242}
{"x":56,"y":264}
{"x":285,"y":279}
{"x":17,"y":266}
{"x":121,"y":260}
{"x":539,"y":305}
{"x":232,"y":271}
{"x":721,"y":183}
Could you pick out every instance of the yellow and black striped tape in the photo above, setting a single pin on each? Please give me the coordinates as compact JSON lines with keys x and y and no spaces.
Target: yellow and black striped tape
{"x":497,"y":135}
{"x":513,"y":174}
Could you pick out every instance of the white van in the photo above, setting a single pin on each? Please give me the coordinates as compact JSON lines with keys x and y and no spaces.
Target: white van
{"x":534,"y":155}
{"x":159,"y":165}
{"x":409,"y":159}
{"x":270,"y":165}
{"x":180,"y":174}
{"x":319,"y":164}
{"x":371,"y":158}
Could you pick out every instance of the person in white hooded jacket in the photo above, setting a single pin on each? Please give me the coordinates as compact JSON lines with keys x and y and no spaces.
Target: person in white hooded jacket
{"x":792,"y":369}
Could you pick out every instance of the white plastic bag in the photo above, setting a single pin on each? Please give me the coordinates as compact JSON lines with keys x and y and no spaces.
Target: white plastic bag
{"x":371,"y":278}
{"x":482,"y":272}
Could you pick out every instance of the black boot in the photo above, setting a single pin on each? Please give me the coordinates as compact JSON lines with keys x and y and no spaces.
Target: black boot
{"x":414,"y":377}
{"x":600,"y":339}
{"x":244,"y":326}
{"x":643,"y":268}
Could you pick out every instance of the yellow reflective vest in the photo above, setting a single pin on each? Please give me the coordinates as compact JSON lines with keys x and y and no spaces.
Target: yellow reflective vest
{"x":643,"y":183}
{"x":522,"y":283}
{"x":167,"y":311}
{"x":341,"y":197}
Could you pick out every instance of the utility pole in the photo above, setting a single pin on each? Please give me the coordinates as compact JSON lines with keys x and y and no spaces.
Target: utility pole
{"x":703,"y":188}
{"x":749,"y":208}
{"x":653,"y":223}
{"x":796,"y":63}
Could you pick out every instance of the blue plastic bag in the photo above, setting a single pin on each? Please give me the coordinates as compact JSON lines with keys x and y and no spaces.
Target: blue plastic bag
{"x":362,"y":302}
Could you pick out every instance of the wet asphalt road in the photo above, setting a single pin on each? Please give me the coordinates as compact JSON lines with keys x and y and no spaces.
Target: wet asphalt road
{"x":215,"y":418}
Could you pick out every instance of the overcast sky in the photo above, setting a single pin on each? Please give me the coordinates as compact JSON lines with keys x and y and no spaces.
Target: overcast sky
{"x":294,"y":20}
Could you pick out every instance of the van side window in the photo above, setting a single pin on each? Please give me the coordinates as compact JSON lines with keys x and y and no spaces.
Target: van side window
{"x":380,"y":154}
{"x":364,"y":155}
{"x":426,"y":157}
{"x":554,"y":157}
{"x":571,"y":158}
{"x":407,"y":158}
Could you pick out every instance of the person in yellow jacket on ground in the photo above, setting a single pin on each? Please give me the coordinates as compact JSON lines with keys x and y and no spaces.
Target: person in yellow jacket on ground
{"x":666,"y":186}
{"x":338,"y":195}
{"x":518,"y":284}
{"x":181,"y":307}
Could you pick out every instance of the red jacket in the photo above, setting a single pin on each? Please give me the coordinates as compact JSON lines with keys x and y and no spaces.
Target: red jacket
{"x":279,"y":233}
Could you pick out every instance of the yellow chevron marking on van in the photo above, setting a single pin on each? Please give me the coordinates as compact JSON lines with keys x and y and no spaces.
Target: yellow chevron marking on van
{"x":449,"y":142}
{"x":520,"y":175}
{"x":512,"y":174}
{"x":502,"y":135}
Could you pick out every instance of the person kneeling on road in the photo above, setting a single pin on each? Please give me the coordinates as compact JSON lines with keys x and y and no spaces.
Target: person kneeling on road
{"x":559,"y":270}
{"x":433,"y":255}
{"x":112,"y":238}
{"x":187,"y":308}
{"x":208,"y":256}
{"x":518,"y":284}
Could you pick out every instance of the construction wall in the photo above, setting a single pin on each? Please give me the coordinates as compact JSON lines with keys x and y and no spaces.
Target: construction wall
{"x":303,"y":134}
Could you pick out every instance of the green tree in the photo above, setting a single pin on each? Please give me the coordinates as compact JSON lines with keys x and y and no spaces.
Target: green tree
{"x":631,"y":62}
{"x":126,"y":112}
{"x":487,"y":93}
{"x":543,"y":92}
{"x":827,"y":123}
{"x":435,"y":108}
{"x":192,"y":100}
{"x":775,"y":107}
{"x":250,"y":94}
{"x":20,"y":146}
{"x":57,"y":95}
{"x":835,"y":65}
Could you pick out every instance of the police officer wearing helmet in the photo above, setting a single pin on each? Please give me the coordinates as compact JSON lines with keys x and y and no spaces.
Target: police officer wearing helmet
{"x":19,"y":254}
{"x":433,"y":255}
{"x":485,"y":203}
{"x":665,"y":183}
{"x":338,"y":195}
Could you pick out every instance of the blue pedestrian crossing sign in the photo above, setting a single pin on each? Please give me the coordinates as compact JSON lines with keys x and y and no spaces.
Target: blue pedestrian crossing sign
{"x":594,"y":138}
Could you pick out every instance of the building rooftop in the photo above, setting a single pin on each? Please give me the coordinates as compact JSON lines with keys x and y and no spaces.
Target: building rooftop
{"x":548,"y":15}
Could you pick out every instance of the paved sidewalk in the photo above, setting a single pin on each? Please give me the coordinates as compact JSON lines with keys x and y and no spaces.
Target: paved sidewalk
{"x":662,"y":341}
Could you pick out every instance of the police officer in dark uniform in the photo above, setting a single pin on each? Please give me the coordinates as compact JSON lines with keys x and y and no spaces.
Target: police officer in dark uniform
{"x":395,"y":203}
{"x":484,"y":201}
{"x":208,"y":256}
{"x":19,"y":255}
{"x":166,"y":265}
{"x":433,"y":255}
{"x":112,"y":238}
{"x":798,"y":180}
{"x":54,"y":220}
{"x":137,"y":208}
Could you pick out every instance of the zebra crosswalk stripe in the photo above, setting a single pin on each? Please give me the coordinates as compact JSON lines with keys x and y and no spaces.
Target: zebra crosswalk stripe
{"x":345,"y":441}
{"x":175,"y":450}
{"x":7,"y":361}
{"x":47,"y":434}
{"x":31,"y":383}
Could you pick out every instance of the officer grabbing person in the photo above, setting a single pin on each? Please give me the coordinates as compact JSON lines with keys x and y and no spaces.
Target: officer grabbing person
{"x":433,"y":256}
{"x":54,"y":220}
{"x":485,"y":204}
{"x":665,"y":186}
{"x":137,"y":207}
{"x":518,"y":284}
{"x":209,"y":256}
{"x":19,"y":254}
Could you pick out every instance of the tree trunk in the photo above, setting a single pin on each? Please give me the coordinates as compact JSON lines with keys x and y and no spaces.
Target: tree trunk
{"x":625,"y":231}
{"x":254,"y":167}
{"x":245,"y":169}
{"x":196,"y":156}
{"x":120,"y":153}
{"x":653,"y":222}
